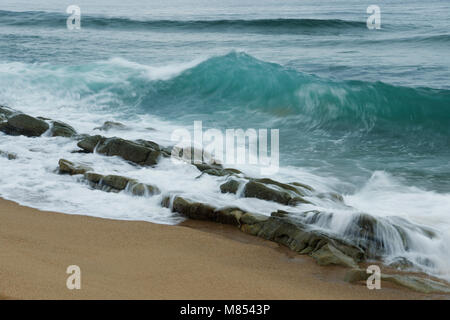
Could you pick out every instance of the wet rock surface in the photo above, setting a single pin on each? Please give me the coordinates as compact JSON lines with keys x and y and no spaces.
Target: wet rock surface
{"x":144,"y":153}
{"x":66,"y":166}
{"x":22,"y":124}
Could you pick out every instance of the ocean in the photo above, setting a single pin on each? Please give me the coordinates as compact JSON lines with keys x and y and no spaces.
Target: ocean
{"x":363,"y":113}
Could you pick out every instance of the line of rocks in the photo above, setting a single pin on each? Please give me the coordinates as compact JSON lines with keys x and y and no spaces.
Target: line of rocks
{"x":108,"y":183}
{"x":15,"y":123}
{"x":297,"y":234}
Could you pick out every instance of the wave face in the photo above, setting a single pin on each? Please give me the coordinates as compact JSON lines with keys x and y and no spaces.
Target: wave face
{"x":239,"y":80}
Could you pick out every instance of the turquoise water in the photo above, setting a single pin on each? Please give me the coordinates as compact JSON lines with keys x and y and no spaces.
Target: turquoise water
{"x":365,"y":113}
{"x":348,"y":100}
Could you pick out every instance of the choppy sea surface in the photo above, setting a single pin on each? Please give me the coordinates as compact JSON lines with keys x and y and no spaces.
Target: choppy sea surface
{"x":365,"y":113}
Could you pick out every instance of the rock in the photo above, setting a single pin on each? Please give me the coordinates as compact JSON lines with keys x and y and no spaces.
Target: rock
{"x":229,"y":216}
{"x":258,"y":190}
{"x":253,"y":218}
{"x":418,"y":284}
{"x":301,"y":238}
{"x":328,"y":254}
{"x":231,"y":186}
{"x":66,"y":166}
{"x":254,"y":189}
{"x":61,"y":129}
{"x":202,"y":211}
{"x":141,"y":189}
{"x":22,"y":124}
{"x":216,"y":169}
{"x":285,"y":186}
{"x":115,"y":183}
{"x":204,"y":166}
{"x":415,"y":283}
{"x":93,"y":177}
{"x":302,"y":185}
{"x":8,"y":155}
{"x":193,"y":210}
{"x":111,"y":125}
{"x":128,"y":150}
{"x":90,"y":143}
{"x":401,"y":263}
{"x":6,"y":112}
{"x":355,"y":275}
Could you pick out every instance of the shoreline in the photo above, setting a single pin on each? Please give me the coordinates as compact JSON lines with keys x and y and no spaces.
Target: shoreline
{"x":142,"y":260}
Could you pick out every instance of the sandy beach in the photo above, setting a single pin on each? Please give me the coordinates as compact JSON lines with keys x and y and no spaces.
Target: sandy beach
{"x":141,"y":260}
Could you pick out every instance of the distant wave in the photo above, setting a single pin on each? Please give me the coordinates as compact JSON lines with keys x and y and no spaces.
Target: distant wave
{"x":49,"y":19}
{"x":237,"y":82}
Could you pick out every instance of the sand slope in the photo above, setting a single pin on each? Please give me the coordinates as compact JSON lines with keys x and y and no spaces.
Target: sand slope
{"x":141,"y":260}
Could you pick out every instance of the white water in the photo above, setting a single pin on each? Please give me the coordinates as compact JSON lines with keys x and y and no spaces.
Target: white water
{"x":42,"y":90}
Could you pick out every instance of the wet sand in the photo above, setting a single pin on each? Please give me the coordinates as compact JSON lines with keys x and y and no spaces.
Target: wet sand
{"x":142,"y":260}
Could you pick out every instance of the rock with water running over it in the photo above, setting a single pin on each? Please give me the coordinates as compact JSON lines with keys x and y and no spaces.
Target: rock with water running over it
{"x":23,"y":124}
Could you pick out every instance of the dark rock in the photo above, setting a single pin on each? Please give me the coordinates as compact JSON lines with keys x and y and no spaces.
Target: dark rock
{"x":66,"y":166}
{"x":202,"y":211}
{"x":355,"y":275}
{"x":111,"y":125}
{"x":231,"y":186}
{"x":143,"y":154}
{"x":115,"y":183}
{"x":418,"y":284}
{"x":93,"y":177}
{"x":90,"y":143}
{"x":6,"y":112}
{"x":204,"y":166}
{"x":302,"y":239}
{"x":141,"y":189}
{"x":193,"y":210}
{"x":401,"y":263}
{"x":328,"y":254}
{"x":22,"y":124}
{"x":285,"y":186}
{"x":228,"y":216}
{"x":258,"y":190}
{"x":61,"y":129}
{"x":302,"y":185}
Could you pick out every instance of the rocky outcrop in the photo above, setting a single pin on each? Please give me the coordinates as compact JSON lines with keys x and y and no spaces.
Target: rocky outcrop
{"x":328,"y":254}
{"x":109,"y":183}
{"x":61,"y":129}
{"x":201,"y":211}
{"x":281,"y":229}
{"x":23,"y":124}
{"x":231,"y":186}
{"x":416,"y":283}
{"x":111,"y":125}
{"x":5,"y":113}
{"x":267,"y":189}
{"x":68,"y":167}
{"x":16,"y":123}
{"x":145,"y":153}
{"x":255,"y":189}
{"x":216,"y":169}
{"x":115,"y":183}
